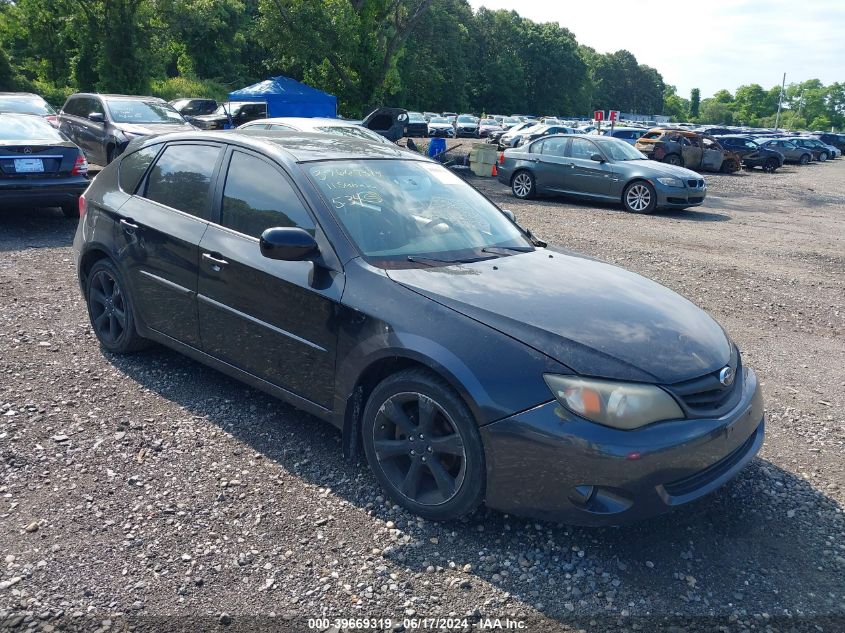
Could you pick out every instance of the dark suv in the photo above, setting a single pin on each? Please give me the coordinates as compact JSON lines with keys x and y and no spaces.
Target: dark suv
{"x":837,"y":140}
{"x":103,"y":125}
{"x":190,"y":108}
{"x":751,"y":153}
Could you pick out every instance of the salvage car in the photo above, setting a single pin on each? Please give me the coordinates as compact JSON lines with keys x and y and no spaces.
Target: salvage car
{"x":379,"y":291}
{"x":486,"y":127}
{"x":440,"y":126}
{"x":28,"y":103}
{"x":316,"y":124}
{"x":837,"y":140}
{"x":821,"y":151}
{"x":104,"y":124}
{"x":513,"y":136}
{"x":678,"y":146}
{"x":628,"y":134}
{"x":751,"y":153}
{"x":544,"y":129}
{"x":598,"y":168}
{"x":39,"y":166}
{"x":197,"y":106}
{"x":791,"y":152}
{"x":416,"y":125}
{"x":466,"y":125}
{"x":231,"y":114}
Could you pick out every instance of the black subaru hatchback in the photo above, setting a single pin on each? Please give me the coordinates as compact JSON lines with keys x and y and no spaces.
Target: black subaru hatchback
{"x":378,"y":291}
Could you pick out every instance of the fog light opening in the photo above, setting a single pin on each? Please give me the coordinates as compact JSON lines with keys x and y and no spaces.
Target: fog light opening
{"x":581,"y":495}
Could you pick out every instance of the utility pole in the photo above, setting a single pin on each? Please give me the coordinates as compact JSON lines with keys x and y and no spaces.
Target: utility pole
{"x":780,"y":102}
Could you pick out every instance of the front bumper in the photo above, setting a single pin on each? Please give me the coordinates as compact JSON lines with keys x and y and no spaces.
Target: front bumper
{"x":441,"y":133}
{"x":46,"y":193}
{"x":549,"y":463}
{"x":678,"y":197}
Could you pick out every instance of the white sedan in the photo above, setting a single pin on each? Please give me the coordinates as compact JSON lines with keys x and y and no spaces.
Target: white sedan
{"x":328,"y":126}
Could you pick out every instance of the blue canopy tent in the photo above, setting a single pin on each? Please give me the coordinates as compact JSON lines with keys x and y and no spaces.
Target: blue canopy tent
{"x":288,"y":97}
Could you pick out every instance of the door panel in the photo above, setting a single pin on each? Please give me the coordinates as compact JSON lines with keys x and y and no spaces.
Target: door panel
{"x":552,"y":166}
{"x":587,"y":176}
{"x":265,"y":317}
{"x":159,"y":248}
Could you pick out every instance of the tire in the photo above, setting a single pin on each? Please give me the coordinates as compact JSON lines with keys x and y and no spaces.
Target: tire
{"x":771,"y":165}
{"x":729,"y":166}
{"x":805,"y":158}
{"x":110,"y":309}
{"x":523,"y":184}
{"x":673,"y":159}
{"x":639,"y":197}
{"x":823,"y":157}
{"x":431,"y":465}
{"x":71,"y":210}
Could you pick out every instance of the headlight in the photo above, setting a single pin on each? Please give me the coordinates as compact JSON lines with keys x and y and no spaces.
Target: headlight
{"x":619,"y":405}
{"x":670,"y":182}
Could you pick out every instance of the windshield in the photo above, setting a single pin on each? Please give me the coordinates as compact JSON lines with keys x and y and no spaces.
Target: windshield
{"x":465,"y":118}
{"x":395,"y":210}
{"x":510,"y":119}
{"x":489,"y":122}
{"x":352,"y":130}
{"x":416,"y":117}
{"x":129,"y":111}
{"x":27,"y":128}
{"x":620,"y":150}
{"x":439,"y":119}
{"x":25,"y":106}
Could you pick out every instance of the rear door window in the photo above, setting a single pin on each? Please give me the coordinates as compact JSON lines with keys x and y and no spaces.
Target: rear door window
{"x":133,"y":167}
{"x":181,"y":178}
{"x":258,"y":196}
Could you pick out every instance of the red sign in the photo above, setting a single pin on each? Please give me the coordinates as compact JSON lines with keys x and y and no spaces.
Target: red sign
{"x":613,"y":115}
{"x":598,"y":115}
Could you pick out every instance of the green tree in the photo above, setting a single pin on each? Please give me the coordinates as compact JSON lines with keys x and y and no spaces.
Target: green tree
{"x":694,"y":103}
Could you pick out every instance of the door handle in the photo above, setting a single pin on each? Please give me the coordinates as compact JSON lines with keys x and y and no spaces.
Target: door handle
{"x":217,"y":262}
{"x":128,"y":225}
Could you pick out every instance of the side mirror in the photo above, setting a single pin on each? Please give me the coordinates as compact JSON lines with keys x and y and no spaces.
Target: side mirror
{"x":97,"y":117}
{"x":287,"y":244}
{"x":597,"y":157}
{"x":510,"y":215}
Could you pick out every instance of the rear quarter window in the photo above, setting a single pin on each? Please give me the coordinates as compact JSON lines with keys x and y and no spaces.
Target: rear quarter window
{"x":133,"y":167}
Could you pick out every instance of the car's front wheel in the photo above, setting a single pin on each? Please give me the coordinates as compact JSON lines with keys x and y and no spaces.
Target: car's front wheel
{"x":639,"y":197}
{"x":423,"y":445}
{"x":771,"y":165}
{"x":110,"y":309}
{"x":523,"y":185}
{"x":674,"y":159}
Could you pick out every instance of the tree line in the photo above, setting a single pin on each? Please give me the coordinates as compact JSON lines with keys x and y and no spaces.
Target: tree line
{"x":420,"y":54}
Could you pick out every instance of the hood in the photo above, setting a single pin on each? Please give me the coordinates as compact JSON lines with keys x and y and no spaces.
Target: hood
{"x":665,"y":169}
{"x":440,"y":125}
{"x":154,"y":128}
{"x":595,"y":318}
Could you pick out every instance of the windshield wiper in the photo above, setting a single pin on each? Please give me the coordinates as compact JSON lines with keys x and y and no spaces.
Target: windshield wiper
{"x":512,"y":249}
{"x":433,"y":261}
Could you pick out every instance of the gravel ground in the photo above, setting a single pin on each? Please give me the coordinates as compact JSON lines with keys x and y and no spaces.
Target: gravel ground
{"x":151,"y":491}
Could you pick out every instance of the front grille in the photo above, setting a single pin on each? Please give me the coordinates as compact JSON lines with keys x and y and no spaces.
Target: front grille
{"x":706,"y":396}
{"x":700,"y":479}
{"x":693,"y":183}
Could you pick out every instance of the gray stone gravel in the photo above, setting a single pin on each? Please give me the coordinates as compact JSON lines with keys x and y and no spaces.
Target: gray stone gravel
{"x":138,"y":487}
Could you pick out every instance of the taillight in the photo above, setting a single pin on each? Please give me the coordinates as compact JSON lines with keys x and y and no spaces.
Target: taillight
{"x":501,"y":158}
{"x":80,"y":167}
{"x":82,"y":206}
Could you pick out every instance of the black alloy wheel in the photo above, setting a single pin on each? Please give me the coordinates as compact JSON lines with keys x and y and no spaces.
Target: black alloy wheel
{"x":110,"y":309}
{"x":422,"y":443}
{"x":770,"y":165}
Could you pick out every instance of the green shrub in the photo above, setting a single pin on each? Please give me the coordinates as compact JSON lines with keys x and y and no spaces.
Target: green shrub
{"x":178,"y":87}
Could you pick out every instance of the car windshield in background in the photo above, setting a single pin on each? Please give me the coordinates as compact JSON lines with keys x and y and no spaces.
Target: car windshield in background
{"x":438,"y":119}
{"x":489,"y":122}
{"x":414,"y":212}
{"x":25,"y":106}
{"x":27,"y":128}
{"x":351,"y":130}
{"x":620,"y":150}
{"x":464,"y":118}
{"x":129,"y":111}
{"x":416,"y":117}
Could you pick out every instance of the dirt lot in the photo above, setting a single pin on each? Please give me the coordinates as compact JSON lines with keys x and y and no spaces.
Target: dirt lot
{"x":138,"y":487}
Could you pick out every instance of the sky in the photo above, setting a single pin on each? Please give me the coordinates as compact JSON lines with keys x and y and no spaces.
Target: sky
{"x":707,"y":45}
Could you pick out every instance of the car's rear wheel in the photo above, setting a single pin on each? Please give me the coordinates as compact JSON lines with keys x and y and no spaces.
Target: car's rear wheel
{"x":423,"y":445}
{"x":523,"y":185}
{"x":110,"y":309}
{"x":771,"y":165}
{"x":639,"y":197}
{"x":823,"y":157}
{"x":673,"y":159}
{"x":805,"y":158}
